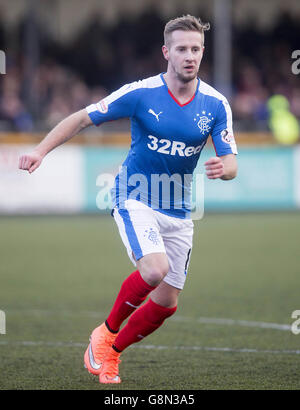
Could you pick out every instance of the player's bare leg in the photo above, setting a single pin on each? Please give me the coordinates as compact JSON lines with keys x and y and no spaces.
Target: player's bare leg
{"x":165,"y":295}
{"x":134,"y":290}
{"x":153,"y":268}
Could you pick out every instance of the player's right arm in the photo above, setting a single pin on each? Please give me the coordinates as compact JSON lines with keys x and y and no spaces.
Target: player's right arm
{"x":61,"y":133}
{"x":119,"y":104}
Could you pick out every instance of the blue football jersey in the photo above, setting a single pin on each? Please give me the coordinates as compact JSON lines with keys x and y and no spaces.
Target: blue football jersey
{"x":166,"y":140}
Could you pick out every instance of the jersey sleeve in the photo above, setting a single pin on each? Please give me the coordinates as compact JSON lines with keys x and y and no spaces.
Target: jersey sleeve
{"x":119,"y":104}
{"x":222,"y":132}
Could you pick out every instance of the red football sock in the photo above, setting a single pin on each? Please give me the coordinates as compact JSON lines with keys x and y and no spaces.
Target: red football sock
{"x":133,"y":292}
{"x":144,"y":321}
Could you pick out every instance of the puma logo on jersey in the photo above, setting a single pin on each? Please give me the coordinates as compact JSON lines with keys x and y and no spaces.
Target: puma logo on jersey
{"x":150,"y":111}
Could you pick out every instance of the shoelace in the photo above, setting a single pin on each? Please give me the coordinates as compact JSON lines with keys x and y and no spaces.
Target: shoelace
{"x":101,"y":346}
{"x":111,"y":368}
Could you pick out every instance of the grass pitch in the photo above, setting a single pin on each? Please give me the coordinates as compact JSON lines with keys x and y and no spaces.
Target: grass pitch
{"x":60,"y":275}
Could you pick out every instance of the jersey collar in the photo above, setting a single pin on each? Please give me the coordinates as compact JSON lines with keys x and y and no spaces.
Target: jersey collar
{"x":174,"y":98}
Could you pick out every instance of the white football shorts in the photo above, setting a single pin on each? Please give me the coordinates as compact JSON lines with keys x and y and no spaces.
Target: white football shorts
{"x":144,"y":231}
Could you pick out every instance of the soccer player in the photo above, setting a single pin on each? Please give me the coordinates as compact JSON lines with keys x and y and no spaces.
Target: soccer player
{"x":172,"y":115}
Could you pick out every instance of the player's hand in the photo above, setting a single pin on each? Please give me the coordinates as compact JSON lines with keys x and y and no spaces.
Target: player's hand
{"x":30,"y":162}
{"x":214,"y":168}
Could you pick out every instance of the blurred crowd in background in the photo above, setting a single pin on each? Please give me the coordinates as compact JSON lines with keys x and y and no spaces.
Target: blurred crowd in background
{"x":61,"y":79}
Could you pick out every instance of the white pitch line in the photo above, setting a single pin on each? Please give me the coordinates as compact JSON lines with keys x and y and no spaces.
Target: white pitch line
{"x":152,"y":347}
{"x":234,"y":322}
{"x":205,"y":320}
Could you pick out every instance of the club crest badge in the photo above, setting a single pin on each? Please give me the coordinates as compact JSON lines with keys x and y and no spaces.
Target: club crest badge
{"x":152,"y":236}
{"x":203,"y":122}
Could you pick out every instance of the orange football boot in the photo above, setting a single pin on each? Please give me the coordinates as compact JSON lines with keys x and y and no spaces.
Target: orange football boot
{"x":100,"y":341}
{"x":110,"y":367}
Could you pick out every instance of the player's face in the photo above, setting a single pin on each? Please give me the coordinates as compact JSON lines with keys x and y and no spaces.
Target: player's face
{"x":184,"y":54}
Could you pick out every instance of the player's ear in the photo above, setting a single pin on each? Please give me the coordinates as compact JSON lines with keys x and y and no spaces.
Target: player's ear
{"x":165,"y":52}
{"x":202,"y":51}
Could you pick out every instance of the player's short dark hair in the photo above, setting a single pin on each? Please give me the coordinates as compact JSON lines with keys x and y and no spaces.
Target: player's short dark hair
{"x":185,"y":23}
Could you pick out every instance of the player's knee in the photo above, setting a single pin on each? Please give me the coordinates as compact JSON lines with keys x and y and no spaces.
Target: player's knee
{"x":153,"y":274}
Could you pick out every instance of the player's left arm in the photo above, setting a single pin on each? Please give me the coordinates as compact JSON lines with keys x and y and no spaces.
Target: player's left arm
{"x":230,"y":166}
{"x":223,"y":167}
{"x":224,"y":164}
